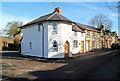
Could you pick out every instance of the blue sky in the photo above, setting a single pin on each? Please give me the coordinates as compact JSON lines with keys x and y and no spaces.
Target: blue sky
{"x":80,"y":12}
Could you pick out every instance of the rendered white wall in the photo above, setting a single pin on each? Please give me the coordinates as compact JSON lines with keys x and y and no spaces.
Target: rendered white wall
{"x":61,"y":37}
{"x":32,"y":34}
{"x":79,"y":38}
{"x":65,"y":33}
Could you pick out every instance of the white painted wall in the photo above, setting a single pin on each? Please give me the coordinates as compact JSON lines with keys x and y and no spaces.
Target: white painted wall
{"x":61,"y":37}
{"x":31,"y":34}
{"x":65,"y":33}
{"x":79,"y":38}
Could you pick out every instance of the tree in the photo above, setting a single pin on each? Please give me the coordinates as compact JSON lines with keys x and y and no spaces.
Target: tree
{"x":12,"y":28}
{"x":101,"y":19}
{"x":1,"y":32}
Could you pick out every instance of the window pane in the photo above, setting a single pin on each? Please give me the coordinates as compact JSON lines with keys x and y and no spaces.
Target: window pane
{"x":75,"y":43}
{"x":55,"y":46}
{"x":54,"y":28}
{"x":30,"y":45}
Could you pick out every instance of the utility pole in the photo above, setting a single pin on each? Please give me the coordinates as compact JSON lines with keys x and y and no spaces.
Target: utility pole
{"x":119,"y":19}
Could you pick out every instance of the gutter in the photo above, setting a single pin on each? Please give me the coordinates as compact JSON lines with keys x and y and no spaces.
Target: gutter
{"x":44,"y":21}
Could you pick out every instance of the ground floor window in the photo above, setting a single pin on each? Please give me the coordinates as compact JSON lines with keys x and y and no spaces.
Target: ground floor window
{"x":55,"y":46}
{"x":30,"y":45}
{"x":75,"y":44}
{"x":93,"y":44}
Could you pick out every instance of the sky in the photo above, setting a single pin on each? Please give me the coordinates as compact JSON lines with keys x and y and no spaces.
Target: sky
{"x":81,"y":12}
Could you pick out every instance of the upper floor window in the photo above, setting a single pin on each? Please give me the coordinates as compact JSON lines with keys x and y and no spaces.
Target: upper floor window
{"x":54,"y":28}
{"x":88,"y":33}
{"x":82,"y":34}
{"x":75,"y":33}
{"x":55,"y":46}
{"x":75,"y":43}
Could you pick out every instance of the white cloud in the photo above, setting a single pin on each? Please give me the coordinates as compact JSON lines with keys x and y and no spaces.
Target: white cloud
{"x":8,"y":18}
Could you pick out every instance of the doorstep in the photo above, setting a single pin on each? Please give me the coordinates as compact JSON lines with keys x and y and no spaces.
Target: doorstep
{"x":82,"y":54}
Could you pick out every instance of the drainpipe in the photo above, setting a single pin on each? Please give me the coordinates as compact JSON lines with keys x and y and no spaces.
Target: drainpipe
{"x":118,"y":19}
{"x":42,"y":39}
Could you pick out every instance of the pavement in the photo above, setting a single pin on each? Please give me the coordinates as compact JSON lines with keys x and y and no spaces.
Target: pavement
{"x":101,"y":64}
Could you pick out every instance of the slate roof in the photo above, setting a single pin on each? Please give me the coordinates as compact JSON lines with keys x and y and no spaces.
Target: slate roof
{"x":76,"y":28}
{"x":49,"y":17}
{"x":107,"y":31}
{"x":58,"y":17}
{"x":84,"y":27}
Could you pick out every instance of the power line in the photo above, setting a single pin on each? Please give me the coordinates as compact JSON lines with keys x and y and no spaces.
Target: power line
{"x":102,"y":9}
{"x":109,"y":7}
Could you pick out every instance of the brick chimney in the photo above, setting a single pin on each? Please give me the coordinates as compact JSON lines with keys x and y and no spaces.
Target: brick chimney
{"x":58,"y":10}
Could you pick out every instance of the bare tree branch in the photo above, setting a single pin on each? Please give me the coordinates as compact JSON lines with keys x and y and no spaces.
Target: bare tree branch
{"x":100,"y":19}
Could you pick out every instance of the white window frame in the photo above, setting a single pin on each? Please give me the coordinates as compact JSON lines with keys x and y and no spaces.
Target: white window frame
{"x":75,"y":33}
{"x":88,"y":33}
{"x":54,"y":28}
{"x":54,"y":46}
{"x":75,"y":44}
{"x":82,"y":34}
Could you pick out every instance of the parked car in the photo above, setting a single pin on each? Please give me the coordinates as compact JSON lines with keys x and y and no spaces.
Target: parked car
{"x":115,"y":46}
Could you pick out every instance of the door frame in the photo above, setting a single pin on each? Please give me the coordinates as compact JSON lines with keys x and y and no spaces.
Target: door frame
{"x":82,"y":47}
{"x":66,"y":55}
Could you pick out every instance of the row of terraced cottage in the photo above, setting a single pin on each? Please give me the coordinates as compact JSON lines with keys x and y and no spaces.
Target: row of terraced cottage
{"x":55,"y":36}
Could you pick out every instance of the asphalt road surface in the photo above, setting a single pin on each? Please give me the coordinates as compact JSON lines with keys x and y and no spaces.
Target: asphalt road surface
{"x":99,"y":66}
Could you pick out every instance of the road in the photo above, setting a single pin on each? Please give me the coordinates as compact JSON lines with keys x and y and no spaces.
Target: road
{"x":97,"y":66}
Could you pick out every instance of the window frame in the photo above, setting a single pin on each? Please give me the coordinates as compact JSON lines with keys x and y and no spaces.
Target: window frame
{"x":75,"y":33}
{"x":75,"y":44}
{"x":30,"y":45}
{"x":82,"y":34}
{"x":93,"y":44}
{"x":54,"y":46}
{"x":54,"y":28}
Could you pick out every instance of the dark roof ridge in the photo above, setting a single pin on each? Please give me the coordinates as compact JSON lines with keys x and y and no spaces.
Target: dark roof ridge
{"x":84,"y":26}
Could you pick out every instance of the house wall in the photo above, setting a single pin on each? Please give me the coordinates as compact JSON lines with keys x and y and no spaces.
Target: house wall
{"x":31,"y":34}
{"x":61,"y":37}
{"x":79,"y":38}
{"x":92,"y":36}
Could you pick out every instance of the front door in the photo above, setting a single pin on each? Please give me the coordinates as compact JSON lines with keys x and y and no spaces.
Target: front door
{"x":66,"y":49}
{"x":82,"y":46}
{"x":87,"y":45}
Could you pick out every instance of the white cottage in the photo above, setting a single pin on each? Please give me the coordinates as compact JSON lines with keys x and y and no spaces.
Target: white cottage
{"x":52,"y":36}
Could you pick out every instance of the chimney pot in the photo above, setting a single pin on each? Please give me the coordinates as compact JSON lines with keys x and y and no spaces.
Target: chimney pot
{"x":58,"y":10}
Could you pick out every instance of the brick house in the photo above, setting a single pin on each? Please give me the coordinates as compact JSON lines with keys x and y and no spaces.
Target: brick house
{"x":4,"y":41}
